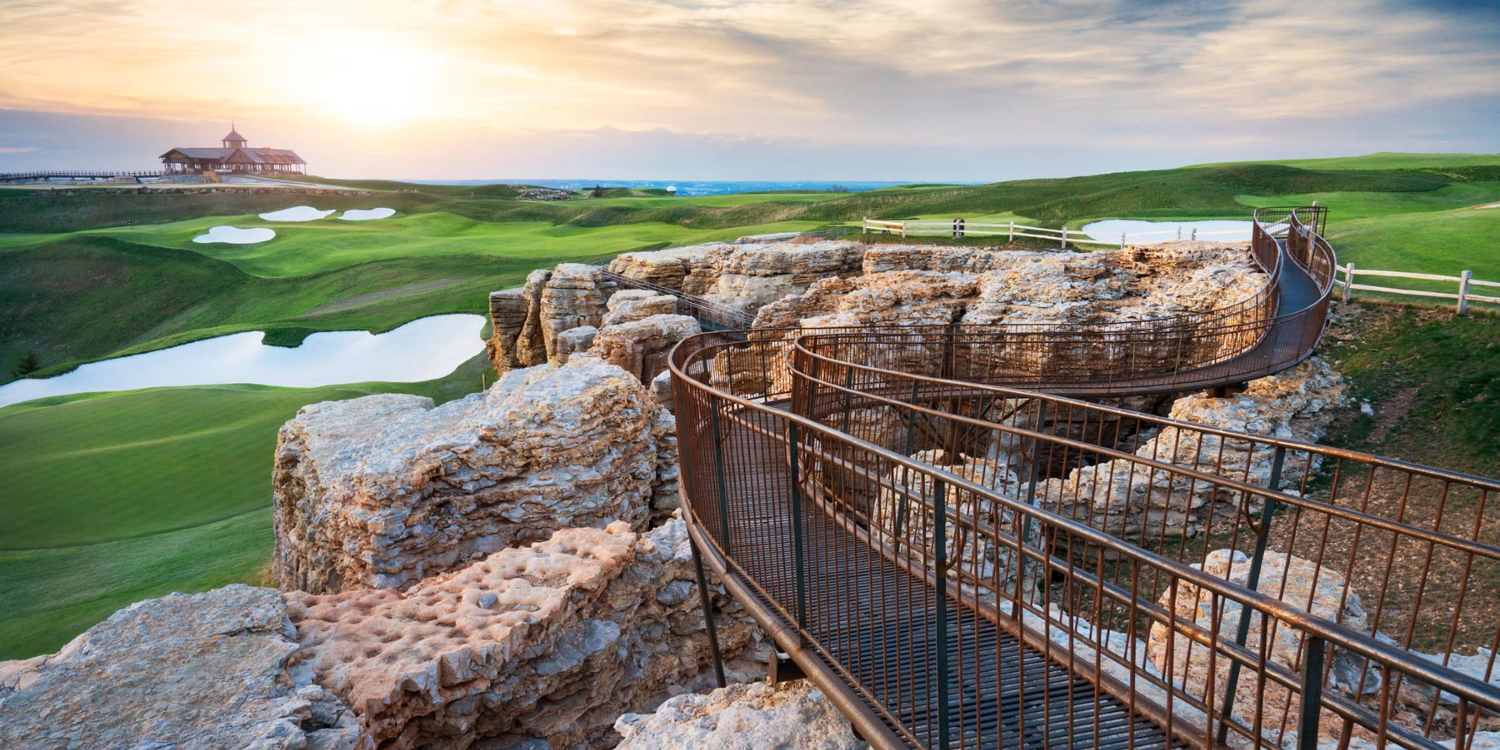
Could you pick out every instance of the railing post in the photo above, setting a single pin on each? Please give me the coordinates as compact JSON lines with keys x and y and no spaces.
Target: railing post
{"x":903,"y":228}
{"x":1463,"y":291}
{"x":713,"y":405}
{"x":708,"y":615}
{"x":864,"y":225}
{"x":1065,"y":237}
{"x":799,"y":557}
{"x":1012,"y":237}
{"x":1348,"y":282}
{"x":1262,"y":536}
{"x":940,"y":559}
{"x":1312,"y":693}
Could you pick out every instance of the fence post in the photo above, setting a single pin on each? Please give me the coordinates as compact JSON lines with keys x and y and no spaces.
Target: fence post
{"x":940,"y":559}
{"x":799,"y":558}
{"x":1312,"y":692}
{"x":903,"y":228}
{"x":1348,"y":281}
{"x":1065,"y":237}
{"x":1012,"y":237}
{"x":864,"y":225}
{"x":1122,"y":240}
{"x":1463,"y":291}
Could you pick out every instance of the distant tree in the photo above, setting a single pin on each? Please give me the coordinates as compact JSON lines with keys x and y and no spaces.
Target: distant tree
{"x":28,"y":364}
{"x":597,"y":192}
{"x":837,"y":189}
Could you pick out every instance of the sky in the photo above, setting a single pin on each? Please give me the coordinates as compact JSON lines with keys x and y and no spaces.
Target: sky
{"x":920,"y":90}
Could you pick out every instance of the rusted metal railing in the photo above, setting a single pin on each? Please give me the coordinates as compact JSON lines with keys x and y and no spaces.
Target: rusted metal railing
{"x":961,"y":564}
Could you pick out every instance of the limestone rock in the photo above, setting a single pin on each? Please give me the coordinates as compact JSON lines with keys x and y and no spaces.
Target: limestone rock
{"x":211,"y":670}
{"x":574,"y":341}
{"x":571,"y":298}
{"x":1125,"y":499}
{"x":742,"y":717}
{"x":507,"y":317}
{"x":551,"y":642}
{"x":668,"y":268}
{"x":641,"y":347}
{"x":1298,"y":582}
{"x":749,"y":276}
{"x":382,"y":491}
{"x":531,"y":347}
{"x":634,"y":304}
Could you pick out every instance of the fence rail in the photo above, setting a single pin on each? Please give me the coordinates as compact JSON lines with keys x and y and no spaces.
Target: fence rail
{"x":75,"y":175}
{"x":1012,"y":230}
{"x":1465,"y":281}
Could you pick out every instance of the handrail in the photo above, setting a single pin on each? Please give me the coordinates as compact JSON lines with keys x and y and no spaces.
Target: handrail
{"x":799,"y":444}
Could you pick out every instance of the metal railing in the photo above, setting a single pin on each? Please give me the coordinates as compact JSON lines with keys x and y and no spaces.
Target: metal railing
{"x":961,"y":564}
{"x":823,"y":518}
{"x":75,"y":175}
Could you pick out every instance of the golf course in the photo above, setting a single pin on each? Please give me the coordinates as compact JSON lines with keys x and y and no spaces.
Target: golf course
{"x":117,"y":497}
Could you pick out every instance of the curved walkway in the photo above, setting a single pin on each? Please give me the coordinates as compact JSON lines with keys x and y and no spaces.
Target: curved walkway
{"x":959,"y":564}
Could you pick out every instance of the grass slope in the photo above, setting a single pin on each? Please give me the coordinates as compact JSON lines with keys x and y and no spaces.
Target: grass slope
{"x":127,"y":496}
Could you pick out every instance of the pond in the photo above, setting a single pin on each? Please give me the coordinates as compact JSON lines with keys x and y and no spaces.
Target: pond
{"x":1148,"y":232}
{"x":423,"y":349}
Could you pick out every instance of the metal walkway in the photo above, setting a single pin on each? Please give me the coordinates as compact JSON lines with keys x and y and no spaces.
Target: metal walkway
{"x":1011,"y":698}
{"x":926,"y":541}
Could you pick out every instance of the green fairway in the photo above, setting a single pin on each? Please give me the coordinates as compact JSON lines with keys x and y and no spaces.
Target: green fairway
{"x":115,"y":498}
{"x":126,"y":496}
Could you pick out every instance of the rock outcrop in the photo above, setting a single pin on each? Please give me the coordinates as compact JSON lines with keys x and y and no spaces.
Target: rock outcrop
{"x":574,"y":341}
{"x":507,"y":317}
{"x":1124,"y":499}
{"x":749,"y":276}
{"x":570,"y":298}
{"x":550,"y":642}
{"x":383,"y":491}
{"x":668,"y":268}
{"x":640,"y":347}
{"x":742,"y":717}
{"x":211,"y":670}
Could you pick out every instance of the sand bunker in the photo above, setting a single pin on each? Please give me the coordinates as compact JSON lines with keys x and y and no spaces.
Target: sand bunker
{"x":365,"y":214}
{"x":236,"y":235}
{"x":297,"y":213}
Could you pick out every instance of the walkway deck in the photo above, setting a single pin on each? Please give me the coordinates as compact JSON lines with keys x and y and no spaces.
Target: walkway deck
{"x":871,"y":619}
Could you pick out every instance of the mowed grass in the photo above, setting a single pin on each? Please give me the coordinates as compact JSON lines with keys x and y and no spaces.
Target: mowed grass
{"x":127,"y":496}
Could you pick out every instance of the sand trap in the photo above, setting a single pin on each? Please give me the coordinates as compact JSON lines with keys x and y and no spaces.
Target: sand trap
{"x":366,"y":214}
{"x":236,"y":235}
{"x":298,"y":213}
{"x":420,"y":350}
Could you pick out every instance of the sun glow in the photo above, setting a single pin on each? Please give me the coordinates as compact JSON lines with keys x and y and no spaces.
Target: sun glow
{"x":367,"y":81}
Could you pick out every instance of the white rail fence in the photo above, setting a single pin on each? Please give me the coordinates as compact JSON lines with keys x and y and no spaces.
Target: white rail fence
{"x":1349,"y":282}
{"x":1465,"y":281}
{"x":1012,"y":230}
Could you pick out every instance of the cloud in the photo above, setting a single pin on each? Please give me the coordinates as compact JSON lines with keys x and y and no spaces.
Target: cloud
{"x":928,"y":74}
{"x":17,"y":149}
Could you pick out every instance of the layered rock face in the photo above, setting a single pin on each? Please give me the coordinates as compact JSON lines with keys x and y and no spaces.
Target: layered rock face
{"x":634,"y":304}
{"x":749,"y":276}
{"x":528,"y":322}
{"x":1125,"y":499}
{"x":742,"y":717}
{"x":571,"y":298}
{"x":212,"y":670}
{"x":641,"y":347}
{"x":668,"y":268}
{"x":383,"y":491}
{"x":508,"y":308}
{"x":550,"y":642}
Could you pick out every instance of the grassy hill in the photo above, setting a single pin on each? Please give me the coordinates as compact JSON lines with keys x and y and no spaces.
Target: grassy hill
{"x":120,"y":497}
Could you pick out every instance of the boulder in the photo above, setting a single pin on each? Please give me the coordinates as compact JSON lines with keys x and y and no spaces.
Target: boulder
{"x":531,"y":346}
{"x":742,"y":717}
{"x":641,"y":347}
{"x":211,"y":670}
{"x":634,"y":304}
{"x":383,"y":491}
{"x":550,"y":642}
